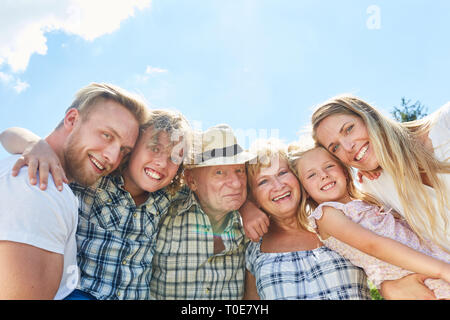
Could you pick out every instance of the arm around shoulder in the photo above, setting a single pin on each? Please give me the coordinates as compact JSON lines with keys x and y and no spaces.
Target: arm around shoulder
{"x":255,"y":221}
{"x":15,"y":140}
{"x":389,"y":250}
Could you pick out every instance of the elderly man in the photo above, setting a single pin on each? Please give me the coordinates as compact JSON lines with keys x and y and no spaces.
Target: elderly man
{"x":200,"y":247}
{"x":37,"y":228}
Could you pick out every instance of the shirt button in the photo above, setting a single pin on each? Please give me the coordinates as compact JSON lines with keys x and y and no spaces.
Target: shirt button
{"x":135,"y":215}
{"x":124,"y":262}
{"x":118,"y":293}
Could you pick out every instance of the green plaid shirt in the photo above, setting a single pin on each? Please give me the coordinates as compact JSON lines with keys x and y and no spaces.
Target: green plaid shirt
{"x":116,"y":239}
{"x":184,"y":263}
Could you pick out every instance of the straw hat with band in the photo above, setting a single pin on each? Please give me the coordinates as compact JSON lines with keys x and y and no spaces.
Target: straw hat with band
{"x":217,"y":146}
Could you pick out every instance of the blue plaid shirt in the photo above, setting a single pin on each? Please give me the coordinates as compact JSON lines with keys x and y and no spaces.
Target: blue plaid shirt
{"x":116,"y":239}
{"x":319,"y":274}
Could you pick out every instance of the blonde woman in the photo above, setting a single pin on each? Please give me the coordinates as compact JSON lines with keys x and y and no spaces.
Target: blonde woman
{"x":412,"y":159}
{"x":290,"y":261}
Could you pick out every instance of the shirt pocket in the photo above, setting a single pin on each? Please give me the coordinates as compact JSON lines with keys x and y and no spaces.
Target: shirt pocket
{"x":105,"y":214}
{"x":150,"y":227}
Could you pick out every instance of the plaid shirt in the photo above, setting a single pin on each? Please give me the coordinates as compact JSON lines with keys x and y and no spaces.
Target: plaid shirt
{"x":184,"y":263}
{"x":319,"y":274}
{"x":116,"y":239}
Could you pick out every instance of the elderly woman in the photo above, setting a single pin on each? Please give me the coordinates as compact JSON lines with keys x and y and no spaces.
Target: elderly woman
{"x":289,"y":261}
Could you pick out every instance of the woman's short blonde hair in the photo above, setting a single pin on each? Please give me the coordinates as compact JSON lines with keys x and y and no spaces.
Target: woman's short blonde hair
{"x":268,"y":151}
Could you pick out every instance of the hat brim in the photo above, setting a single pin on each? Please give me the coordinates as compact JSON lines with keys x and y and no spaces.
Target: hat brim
{"x":240,"y":158}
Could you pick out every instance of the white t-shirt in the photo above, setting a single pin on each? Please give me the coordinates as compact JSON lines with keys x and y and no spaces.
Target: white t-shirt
{"x":44,"y":219}
{"x":384,"y":189}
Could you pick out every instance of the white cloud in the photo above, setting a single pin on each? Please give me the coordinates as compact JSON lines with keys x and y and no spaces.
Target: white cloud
{"x":20,"y":86}
{"x":13,"y":82}
{"x":5,"y":78}
{"x":150,"y":70}
{"x":24,"y":23}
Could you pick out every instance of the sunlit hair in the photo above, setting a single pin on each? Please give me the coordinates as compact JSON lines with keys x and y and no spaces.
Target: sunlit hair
{"x":268,"y":152}
{"x":86,"y":99}
{"x":401,"y":153}
{"x":177,"y":128}
{"x":296,"y":151}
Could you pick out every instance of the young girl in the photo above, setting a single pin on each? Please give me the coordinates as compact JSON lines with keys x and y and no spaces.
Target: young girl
{"x":353,"y":224}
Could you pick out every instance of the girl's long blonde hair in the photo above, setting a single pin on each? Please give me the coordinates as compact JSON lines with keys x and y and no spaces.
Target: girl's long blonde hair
{"x":401,"y":153}
{"x":296,"y":151}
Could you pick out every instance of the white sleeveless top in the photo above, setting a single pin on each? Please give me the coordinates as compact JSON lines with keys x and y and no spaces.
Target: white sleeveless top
{"x":384,"y":189}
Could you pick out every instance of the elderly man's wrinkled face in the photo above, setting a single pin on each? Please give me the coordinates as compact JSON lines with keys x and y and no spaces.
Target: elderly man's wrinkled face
{"x":219,"y":189}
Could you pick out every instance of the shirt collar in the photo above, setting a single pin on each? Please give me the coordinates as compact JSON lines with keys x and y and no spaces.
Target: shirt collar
{"x":191,"y":200}
{"x":117,"y":183}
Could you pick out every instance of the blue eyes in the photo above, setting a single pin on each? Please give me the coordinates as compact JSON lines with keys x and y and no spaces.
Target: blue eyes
{"x":347,"y":131}
{"x":281,"y":173}
{"x":313,"y":173}
{"x":349,"y":128}
{"x":262,"y":182}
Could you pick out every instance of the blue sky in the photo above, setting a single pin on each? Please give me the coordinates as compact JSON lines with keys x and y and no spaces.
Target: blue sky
{"x":258,"y":65}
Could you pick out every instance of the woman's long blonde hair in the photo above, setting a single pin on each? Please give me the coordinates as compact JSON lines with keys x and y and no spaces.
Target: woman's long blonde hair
{"x":401,"y":153}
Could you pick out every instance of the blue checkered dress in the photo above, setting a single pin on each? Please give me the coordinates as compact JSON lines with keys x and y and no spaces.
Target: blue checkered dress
{"x":319,"y":274}
{"x":116,"y":239}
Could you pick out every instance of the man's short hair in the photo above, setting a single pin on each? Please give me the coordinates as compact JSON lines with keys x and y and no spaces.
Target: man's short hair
{"x":88,"y":96}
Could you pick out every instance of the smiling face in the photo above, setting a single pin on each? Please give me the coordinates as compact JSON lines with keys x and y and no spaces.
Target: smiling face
{"x":346,"y":137}
{"x":219,"y":189}
{"x":276,"y":189}
{"x":151,"y":166}
{"x":322,"y":177}
{"x":97,"y":144}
